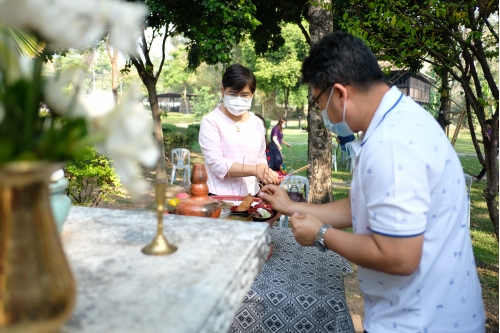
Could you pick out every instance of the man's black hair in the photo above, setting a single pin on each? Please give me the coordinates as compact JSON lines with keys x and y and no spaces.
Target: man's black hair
{"x":237,"y":77}
{"x":341,"y":58}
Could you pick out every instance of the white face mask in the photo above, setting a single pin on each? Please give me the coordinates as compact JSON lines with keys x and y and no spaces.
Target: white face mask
{"x":342,"y":128}
{"x":237,"y":105}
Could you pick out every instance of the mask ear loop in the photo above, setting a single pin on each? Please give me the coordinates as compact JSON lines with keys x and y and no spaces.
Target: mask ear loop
{"x":343,"y":118}
{"x":328,"y":102}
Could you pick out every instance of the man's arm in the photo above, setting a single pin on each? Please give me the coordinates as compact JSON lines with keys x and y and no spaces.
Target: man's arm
{"x":337,"y":213}
{"x":391,"y":255}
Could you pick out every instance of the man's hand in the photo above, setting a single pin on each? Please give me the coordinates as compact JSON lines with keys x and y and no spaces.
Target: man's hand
{"x":277,"y":197}
{"x":304,"y":228}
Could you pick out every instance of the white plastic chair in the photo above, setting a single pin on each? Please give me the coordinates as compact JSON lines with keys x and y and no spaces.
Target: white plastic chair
{"x":468,"y":185}
{"x":351,"y":155}
{"x":302,"y":183}
{"x":179,"y":156}
{"x":334,"y":155}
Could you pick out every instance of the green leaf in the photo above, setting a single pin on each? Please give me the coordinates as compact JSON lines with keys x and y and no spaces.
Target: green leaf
{"x":393,"y":20}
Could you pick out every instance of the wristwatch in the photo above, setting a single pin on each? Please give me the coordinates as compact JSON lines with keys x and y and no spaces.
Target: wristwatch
{"x":319,"y":241}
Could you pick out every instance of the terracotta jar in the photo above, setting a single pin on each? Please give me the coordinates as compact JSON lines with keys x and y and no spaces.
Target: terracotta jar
{"x":199,"y":204}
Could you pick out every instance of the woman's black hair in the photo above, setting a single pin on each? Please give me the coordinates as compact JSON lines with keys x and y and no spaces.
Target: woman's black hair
{"x":263,"y":123}
{"x":341,"y":58}
{"x":237,"y":77}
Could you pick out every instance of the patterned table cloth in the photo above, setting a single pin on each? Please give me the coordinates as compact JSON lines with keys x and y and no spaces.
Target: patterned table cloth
{"x":300,"y":290}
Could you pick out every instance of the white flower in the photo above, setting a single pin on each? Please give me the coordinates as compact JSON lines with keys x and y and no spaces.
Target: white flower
{"x":67,"y":104}
{"x":129,"y":138}
{"x":10,"y":65}
{"x":76,"y":24}
{"x":98,"y":103}
{"x":124,"y":32}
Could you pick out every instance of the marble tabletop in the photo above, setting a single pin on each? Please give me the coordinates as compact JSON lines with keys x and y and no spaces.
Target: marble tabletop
{"x":196,"y":289}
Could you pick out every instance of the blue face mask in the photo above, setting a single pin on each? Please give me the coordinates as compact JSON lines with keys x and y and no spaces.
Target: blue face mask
{"x":342,"y":128}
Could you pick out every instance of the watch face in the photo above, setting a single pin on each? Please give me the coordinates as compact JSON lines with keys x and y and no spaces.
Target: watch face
{"x":319,"y":244}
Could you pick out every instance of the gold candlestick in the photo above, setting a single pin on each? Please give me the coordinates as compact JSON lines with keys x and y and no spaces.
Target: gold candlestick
{"x":159,"y":246}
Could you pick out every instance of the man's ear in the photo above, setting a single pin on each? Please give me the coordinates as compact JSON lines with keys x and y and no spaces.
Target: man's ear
{"x":342,"y":91}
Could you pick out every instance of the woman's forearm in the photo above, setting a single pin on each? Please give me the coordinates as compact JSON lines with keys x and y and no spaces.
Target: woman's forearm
{"x":242,"y":170}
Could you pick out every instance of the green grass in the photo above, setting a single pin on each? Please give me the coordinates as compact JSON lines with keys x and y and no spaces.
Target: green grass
{"x":464,"y":142}
{"x":176,"y":118}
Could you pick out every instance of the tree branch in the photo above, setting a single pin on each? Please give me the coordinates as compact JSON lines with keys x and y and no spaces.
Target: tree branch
{"x":162,"y":55}
{"x":491,"y":29}
{"x":304,"y":31}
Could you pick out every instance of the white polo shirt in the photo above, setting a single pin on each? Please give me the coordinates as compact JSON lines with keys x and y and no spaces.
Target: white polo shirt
{"x":409,"y":181}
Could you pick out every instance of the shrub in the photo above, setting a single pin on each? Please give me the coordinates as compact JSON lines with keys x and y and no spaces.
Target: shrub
{"x":304,"y":127}
{"x":178,"y":137}
{"x":268,"y":123}
{"x":92,"y":179}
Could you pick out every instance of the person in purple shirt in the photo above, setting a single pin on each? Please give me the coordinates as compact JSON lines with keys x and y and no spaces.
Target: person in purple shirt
{"x":275,"y":146}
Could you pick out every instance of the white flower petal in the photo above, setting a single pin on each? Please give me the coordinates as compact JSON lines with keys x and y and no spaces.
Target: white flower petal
{"x":99,"y":103}
{"x":129,"y":139}
{"x":70,"y":24}
{"x":129,"y":174}
{"x":10,"y":65}
{"x":64,"y":104}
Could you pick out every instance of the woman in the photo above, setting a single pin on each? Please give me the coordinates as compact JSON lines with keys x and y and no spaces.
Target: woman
{"x":232,"y":139}
{"x":275,"y":146}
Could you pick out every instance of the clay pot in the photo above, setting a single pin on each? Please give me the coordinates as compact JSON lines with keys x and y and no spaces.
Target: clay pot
{"x":199,"y":204}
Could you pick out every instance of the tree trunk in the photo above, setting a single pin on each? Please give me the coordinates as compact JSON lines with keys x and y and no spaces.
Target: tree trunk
{"x":114,"y":73}
{"x":319,"y":138}
{"x":113,"y":58}
{"x":490,"y":162}
{"x":444,"y":99}
{"x":161,"y":171}
{"x":287,"y":93}
{"x":490,"y":145}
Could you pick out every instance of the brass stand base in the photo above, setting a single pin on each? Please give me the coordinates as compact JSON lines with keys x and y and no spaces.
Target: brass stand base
{"x":159,"y":247}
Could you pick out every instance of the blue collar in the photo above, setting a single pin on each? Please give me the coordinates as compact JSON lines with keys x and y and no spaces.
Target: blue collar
{"x":383,"y":117}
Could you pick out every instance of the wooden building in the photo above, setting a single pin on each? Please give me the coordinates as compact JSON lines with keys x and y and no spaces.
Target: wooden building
{"x":175,"y":102}
{"x":415,"y":85}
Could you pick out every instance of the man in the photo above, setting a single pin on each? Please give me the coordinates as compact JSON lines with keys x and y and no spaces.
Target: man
{"x":407,"y":205}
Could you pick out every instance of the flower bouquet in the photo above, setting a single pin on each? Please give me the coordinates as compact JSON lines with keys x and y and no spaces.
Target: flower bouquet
{"x":122,"y":132}
{"x":38,"y":292}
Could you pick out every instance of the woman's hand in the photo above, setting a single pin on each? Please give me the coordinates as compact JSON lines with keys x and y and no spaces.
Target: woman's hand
{"x":266,"y":175}
{"x":277,"y":197}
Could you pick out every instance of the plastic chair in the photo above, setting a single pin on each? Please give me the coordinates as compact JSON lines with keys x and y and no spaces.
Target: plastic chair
{"x":468,"y":185}
{"x":302,"y":183}
{"x":351,"y":155}
{"x":334,"y":155}
{"x":178,"y":163}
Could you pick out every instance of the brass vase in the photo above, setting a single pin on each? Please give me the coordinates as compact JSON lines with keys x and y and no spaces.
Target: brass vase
{"x":37,"y":289}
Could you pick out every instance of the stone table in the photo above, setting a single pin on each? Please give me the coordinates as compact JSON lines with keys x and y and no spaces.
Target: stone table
{"x":196,"y":289}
